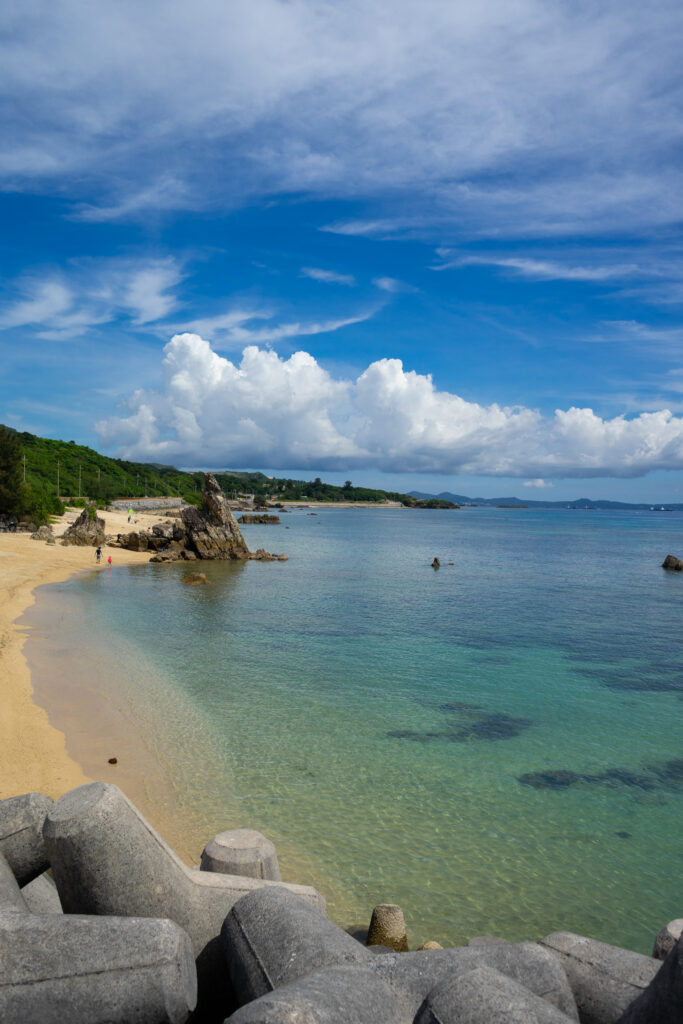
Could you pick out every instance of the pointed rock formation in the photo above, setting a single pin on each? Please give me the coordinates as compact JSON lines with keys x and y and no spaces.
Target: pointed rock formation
{"x":213,"y":532}
{"x":87,"y":531}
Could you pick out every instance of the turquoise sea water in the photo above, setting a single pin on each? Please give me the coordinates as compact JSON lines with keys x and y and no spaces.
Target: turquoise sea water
{"x":497,"y":745}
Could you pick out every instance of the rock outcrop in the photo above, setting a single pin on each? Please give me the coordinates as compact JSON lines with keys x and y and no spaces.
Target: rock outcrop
{"x":42,"y":533}
{"x":87,"y":531}
{"x":250,"y":519}
{"x":207,"y":533}
{"x":213,"y":532}
{"x":671,"y":562}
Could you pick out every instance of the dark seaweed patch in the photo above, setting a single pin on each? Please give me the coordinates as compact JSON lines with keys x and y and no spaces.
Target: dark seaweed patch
{"x":559,"y":779}
{"x":459,"y":705}
{"x":646,"y":684}
{"x":671,"y":772}
{"x":614,"y":679}
{"x":417,"y":737}
{"x":624,"y":835}
{"x":494,"y":726}
{"x":622,"y":777}
{"x":473,"y":724}
{"x":667,"y":774}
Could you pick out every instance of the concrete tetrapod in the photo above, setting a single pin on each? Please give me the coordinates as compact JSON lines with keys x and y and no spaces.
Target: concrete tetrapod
{"x":667,"y":938}
{"x":88,"y":970}
{"x":604,"y":979}
{"x":107,"y":859}
{"x":487,"y":996}
{"x":412,"y":976}
{"x":271,"y":938}
{"x":662,"y":1000}
{"x":334,"y":995}
{"x":388,"y":928}
{"x":21,"y":834}
{"x":241,"y":851}
{"x":41,"y":896}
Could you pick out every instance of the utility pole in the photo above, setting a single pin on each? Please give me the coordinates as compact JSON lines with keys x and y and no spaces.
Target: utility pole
{"x":24,"y":467}
{"x":79,"y":479}
{"x":57,"y":479}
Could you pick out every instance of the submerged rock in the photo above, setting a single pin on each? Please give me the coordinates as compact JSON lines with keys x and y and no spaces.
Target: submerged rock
{"x":87,"y":531}
{"x":195,"y":579}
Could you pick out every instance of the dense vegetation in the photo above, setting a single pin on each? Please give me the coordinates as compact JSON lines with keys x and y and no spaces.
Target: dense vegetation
{"x":56,"y":470}
{"x":19,"y":499}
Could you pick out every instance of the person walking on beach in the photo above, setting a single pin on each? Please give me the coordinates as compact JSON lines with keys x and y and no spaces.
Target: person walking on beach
{"x":98,"y":555}
{"x":109,"y":561}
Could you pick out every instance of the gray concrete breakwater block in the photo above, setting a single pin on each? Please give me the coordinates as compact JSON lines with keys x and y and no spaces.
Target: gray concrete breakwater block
{"x":335,"y":995}
{"x":388,"y":928}
{"x":41,"y":896}
{"x":21,"y":834}
{"x":56,"y":968}
{"x":89,"y":970}
{"x":11,"y":900}
{"x":662,"y":1000}
{"x":241,"y":851}
{"x":271,"y":938}
{"x":604,"y":979}
{"x":485,"y":996}
{"x":107,"y":859}
{"x":413,"y":975}
{"x":667,"y":938}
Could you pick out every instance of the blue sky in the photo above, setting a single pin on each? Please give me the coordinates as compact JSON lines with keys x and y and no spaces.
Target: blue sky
{"x":416,"y":245}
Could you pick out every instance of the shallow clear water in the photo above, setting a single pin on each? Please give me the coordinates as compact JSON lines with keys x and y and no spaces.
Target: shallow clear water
{"x":405,"y":735}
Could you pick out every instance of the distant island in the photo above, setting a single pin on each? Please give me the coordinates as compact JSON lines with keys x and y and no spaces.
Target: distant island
{"x":462,"y":500}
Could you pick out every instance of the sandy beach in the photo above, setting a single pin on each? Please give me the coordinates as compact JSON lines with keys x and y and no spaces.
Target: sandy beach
{"x":34,"y":754}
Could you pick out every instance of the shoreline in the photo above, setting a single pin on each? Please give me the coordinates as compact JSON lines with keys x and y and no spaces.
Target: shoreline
{"x":34,"y":752}
{"x":64,"y":715}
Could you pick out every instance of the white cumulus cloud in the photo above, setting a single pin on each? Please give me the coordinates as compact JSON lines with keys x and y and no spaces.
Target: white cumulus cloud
{"x":274,"y":412}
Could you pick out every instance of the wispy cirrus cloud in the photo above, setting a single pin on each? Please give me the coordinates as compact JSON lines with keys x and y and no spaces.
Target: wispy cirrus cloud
{"x":537,"y":118}
{"x":392,"y":285}
{"x":542,"y":269}
{"x":328,"y":276}
{"x":235,"y":329}
{"x":65,"y":304}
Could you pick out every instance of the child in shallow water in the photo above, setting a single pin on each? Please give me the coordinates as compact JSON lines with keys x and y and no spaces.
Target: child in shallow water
{"x":109,"y":561}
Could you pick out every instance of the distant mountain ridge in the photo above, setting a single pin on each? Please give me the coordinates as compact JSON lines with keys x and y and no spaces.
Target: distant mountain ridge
{"x":579,"y":503}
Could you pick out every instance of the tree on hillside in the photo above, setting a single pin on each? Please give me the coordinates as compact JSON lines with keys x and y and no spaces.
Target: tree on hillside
{"x":11,"y":488}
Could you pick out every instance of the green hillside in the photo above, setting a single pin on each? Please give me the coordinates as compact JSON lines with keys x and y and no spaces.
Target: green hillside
{"x":56,"y":471}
